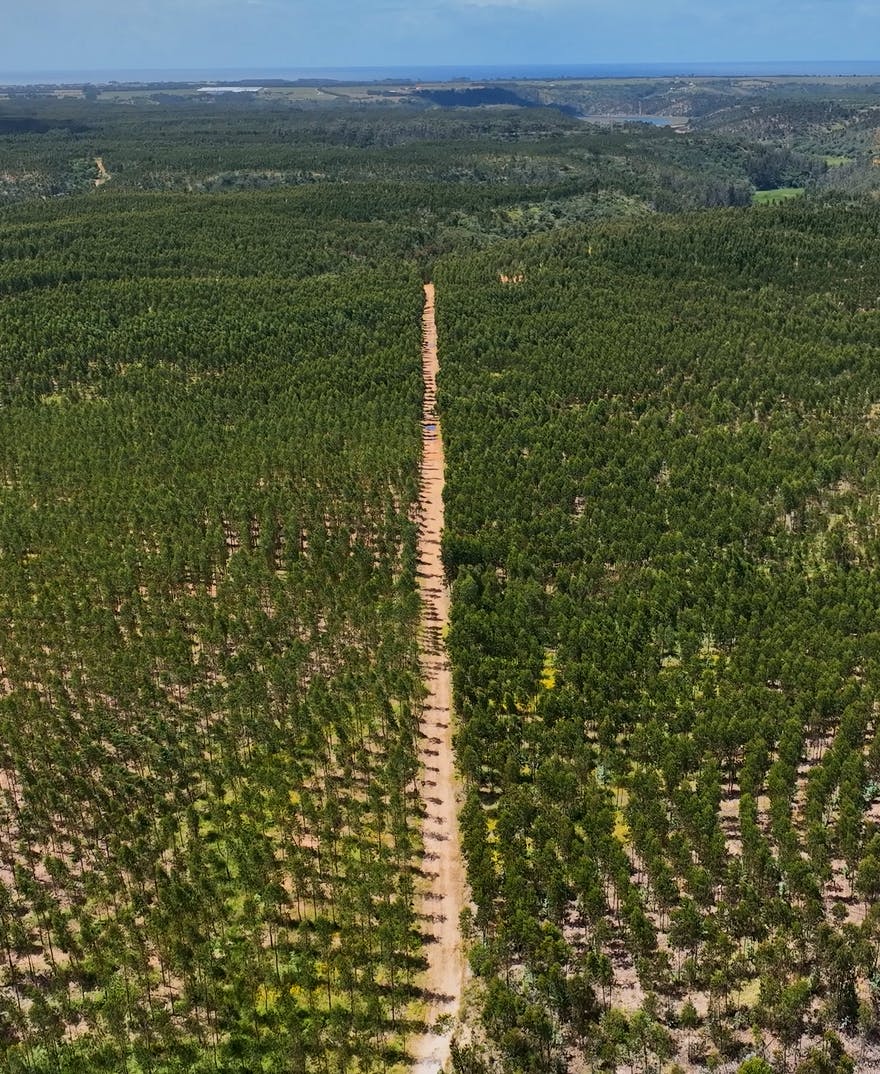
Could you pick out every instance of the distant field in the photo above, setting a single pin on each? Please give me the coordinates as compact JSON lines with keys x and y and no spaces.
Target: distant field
{"x":299,"y":93}
{"x":770,"y":197}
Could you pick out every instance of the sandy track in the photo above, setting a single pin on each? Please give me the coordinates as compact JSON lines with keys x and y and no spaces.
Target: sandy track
{"x":443,"y":895}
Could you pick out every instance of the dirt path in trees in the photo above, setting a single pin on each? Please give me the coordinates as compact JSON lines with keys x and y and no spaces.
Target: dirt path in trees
{"x":443,"y":896}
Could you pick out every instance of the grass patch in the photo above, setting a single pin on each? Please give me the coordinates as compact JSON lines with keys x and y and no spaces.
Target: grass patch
{"x":748,"y":995}
{"x":838,"y":162}
{"x":782,"y":193}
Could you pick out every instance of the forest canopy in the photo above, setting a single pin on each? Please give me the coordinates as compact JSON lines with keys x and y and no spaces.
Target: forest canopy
{"x":661,"y":408}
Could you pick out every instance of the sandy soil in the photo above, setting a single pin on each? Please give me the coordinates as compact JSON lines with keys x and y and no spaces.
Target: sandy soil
{"x":103,"y":175}
{"x":443,"y":894}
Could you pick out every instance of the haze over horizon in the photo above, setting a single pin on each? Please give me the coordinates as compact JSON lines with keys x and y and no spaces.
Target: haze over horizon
{"x":97,"y":35}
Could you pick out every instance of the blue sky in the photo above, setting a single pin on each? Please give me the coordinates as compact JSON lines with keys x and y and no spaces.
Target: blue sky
{"x":102,"y":34}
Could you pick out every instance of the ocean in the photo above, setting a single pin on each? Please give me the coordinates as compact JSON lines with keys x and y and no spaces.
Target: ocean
{"x":447,"y":73}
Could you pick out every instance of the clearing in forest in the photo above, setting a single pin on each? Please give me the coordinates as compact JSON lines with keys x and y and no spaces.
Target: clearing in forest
{"x":443,"y":898}
{"x":103,"y":175}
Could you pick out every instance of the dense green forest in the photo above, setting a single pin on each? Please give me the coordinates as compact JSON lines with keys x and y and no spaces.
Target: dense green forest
{"x":662,"y":452}
{"x":661,"y":436}
{"x":474,"y":160}
{"x":209,"y":679}
{"x":730,"y":134}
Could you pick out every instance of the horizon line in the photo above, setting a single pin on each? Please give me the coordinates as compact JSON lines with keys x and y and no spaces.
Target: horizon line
{"x":683,"y":68}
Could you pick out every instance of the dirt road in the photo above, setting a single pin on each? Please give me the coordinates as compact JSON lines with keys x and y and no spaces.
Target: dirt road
{"x":443,"y":896}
